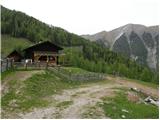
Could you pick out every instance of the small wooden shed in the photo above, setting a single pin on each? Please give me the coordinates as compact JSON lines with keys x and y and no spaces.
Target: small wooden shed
{"x":43,"y":52}
{"x":16,"y":56}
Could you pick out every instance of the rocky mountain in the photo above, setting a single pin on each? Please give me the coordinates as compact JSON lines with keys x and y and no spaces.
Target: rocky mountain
{"x":138,"y":42}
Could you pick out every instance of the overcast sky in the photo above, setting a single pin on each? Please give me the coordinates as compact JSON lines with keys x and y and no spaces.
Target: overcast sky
{"x":89,"y":16}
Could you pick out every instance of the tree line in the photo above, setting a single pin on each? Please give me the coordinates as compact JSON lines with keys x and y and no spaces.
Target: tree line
{"x":93,"y":57}
{"x":110,"y":63}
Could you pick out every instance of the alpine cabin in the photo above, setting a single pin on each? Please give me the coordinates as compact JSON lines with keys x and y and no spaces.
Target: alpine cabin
{"x":43,"y":52}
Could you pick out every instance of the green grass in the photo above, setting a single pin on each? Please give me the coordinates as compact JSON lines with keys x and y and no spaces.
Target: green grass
{"x":43,"y":85}
{"x":64,"y":104}
{"x":23,"y":100}
{"x":113,"y":108}
{"x":8,"y":44}
{"x":35,"y":89}
{"x":92,"y":112}
{"x":75,"y":70}
{"x":6,"y":73}
{"x":46,"y":84}
{"x":149,"y":84}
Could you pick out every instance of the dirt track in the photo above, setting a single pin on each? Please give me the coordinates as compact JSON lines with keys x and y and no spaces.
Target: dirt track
{"x":20,"y":76}
{"x":83,"y":98}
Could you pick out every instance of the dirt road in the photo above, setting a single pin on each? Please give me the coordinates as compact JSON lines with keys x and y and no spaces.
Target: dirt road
{"x":18,"y":75}
{"x":79,"y":102}
{"x":84,"y":100}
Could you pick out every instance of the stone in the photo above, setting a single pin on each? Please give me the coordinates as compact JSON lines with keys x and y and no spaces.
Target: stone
{"x":123,"y":116}
{"x":124,"y":110}
{"x":150,"y":100}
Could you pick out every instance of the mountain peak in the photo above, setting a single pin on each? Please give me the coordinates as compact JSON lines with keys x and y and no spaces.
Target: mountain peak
{"x":138,"y":40}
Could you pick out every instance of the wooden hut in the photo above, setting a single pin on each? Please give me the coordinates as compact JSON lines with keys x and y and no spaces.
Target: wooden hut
{"x":43,"y":52}
{"x":15,"y":56}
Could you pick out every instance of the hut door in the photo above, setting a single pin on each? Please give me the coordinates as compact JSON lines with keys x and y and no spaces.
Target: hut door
{"x":43,"y":58}
{"x":52,"y":59}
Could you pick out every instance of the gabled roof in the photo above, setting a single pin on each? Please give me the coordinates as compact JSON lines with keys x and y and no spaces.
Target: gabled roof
{"x":14,"y":53}
{"x":44,"y":45}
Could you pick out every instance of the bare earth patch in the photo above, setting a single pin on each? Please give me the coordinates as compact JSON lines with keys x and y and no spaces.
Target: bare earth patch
{"x":133,"y":97}
{"x":19,"y":76}
{"x":83,"y":99}
{"x":130,"y":84}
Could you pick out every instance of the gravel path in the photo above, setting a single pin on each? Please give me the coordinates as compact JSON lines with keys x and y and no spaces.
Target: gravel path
{"x":82,"y":99}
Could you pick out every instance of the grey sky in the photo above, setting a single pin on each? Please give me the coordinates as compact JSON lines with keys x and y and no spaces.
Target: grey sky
{"x":89,"y":16}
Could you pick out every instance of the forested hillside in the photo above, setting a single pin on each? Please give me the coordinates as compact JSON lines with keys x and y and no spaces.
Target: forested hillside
{"x":93,"y":57}
{"x":19,"y":24}
{"x":135,"y":41}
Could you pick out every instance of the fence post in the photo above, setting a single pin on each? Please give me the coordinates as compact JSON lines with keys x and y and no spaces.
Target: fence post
{"x":25,"y":65}
{"x":39,"y":64}
{"x":1,"y":65}
{"x":7,"y":64}
{"x":70,"y":75}
{"x":47,"y":65}
{"x":11,"y":63}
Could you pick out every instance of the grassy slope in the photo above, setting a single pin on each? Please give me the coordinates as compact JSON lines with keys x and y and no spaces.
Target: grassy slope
{"x":6,"y":73}
{"x":149,"y":84}
{"x":36,"y":88}
{"x":9,"y":43}
{"x":75,"y":70}
{"x":113,"y":108}
{"x":40,"y":86}
{"x":153,"y":85}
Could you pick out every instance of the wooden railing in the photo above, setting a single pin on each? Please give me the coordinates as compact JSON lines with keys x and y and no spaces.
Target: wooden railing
{"x":7,"y":64}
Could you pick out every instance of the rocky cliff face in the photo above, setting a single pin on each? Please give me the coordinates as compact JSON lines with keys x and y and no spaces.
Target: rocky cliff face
{"x":138,"y":42}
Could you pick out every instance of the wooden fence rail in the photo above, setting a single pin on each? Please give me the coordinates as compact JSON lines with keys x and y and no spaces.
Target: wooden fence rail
{"x":7,"y":64}
{"x":81,"y":77}
{"x":33,"y":65}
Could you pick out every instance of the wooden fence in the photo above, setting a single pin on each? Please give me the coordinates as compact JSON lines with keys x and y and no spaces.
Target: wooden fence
{"x":59,"y":71}
{"x":7,"y":64}
{"x":81,"y":77}
{"x":33,"y":65}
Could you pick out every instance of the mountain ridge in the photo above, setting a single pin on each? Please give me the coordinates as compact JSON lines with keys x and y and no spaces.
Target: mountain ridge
{"x":129,"y":36}
{"x":93,"y":56}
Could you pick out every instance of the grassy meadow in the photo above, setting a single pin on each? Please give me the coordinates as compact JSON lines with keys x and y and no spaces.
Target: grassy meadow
{"x":35,"y":91}
{"x":9,"y":44}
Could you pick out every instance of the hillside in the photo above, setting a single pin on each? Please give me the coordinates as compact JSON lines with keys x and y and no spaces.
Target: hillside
{"x":17,"y":43}
{"x":18,"y":24}
{"x":41,"y":94}
{"x":135,"y":41}
{"x":93,"y":57}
